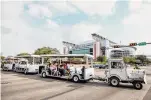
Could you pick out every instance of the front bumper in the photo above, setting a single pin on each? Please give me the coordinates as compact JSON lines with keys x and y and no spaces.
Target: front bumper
{"x":145,"y":80}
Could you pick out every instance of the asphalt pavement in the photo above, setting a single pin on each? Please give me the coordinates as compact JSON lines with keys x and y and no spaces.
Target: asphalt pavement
{"x":17,"y":86}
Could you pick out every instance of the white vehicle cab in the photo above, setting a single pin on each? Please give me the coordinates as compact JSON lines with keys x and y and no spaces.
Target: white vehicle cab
{"x":9,"y":63}
{"x":60,"y":68}
{"x":28,"y":64}
{"x":119,"y":72}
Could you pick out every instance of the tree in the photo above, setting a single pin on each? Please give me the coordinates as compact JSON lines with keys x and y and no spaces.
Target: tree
{"x":132,"y":60}
{"x":22,"y":54}
{"x":126,"y":59}
{"x":142,"y":58}
{"x":101,"y":58}
{"x":46,"y":50}
{"x":129,"y":60}
{"x":2,"y":57}
{"x":148,"y":61}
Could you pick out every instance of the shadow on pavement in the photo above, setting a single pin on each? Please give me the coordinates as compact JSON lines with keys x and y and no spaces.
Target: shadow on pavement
{"x":51,"y":79}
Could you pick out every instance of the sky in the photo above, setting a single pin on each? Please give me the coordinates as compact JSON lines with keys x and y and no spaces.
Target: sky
{"x":28,"y":25}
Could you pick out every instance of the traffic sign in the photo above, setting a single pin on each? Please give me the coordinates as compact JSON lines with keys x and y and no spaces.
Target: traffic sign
{"x":142,"y":43}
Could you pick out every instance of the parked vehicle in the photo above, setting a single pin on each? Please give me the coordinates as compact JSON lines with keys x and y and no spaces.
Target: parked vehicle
{"x":9,"y":63}
{"x":28,"y":64}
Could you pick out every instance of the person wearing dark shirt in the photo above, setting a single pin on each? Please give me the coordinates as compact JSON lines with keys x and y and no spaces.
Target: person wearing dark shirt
{"x":83,"y":71}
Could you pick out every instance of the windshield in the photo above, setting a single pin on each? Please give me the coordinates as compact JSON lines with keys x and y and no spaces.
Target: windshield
{"x":37,"y":60}
{"x":117,"y":65}
{"x":23,"y":62}
{"x":8,"y":62}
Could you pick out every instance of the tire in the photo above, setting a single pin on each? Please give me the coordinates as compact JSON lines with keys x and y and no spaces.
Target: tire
{"x":138,"y":85}
{"x":75,"y":79}
{"x":114,"y":82}
{"x":44,"y":74}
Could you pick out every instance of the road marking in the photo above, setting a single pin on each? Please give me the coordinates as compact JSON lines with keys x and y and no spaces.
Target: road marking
{"x":148,"y":95}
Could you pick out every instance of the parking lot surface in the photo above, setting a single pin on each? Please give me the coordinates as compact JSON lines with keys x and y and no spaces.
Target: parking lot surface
{"x":17,"y":86}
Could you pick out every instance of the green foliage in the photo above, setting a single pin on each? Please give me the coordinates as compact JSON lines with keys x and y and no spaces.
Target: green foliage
{"x":126,"y":59}
{"x":2,"y":61}
{"x":142,"y":58}
{"x":129,"y":59}
{"x":2,"y":57}
{"x":149,"y":61}
{"x":96,"y":62}
{"x":132,"y":60}
{"x":136,"y":67}
{"x":22,"y":54}
{"x":102,"y":58}
{"x":46,"y":50}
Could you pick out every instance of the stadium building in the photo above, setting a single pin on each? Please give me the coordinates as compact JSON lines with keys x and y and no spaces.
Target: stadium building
{"x":98,"y":47}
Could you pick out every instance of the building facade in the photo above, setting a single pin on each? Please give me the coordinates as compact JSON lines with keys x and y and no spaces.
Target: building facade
{"x":103,"y":47}
{"x":90,"y":47}
{"x":123,"y":52}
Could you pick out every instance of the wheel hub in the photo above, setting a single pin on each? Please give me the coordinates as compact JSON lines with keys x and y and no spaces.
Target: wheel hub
{"x":138,"y":85}
{"x":75,"y":79}
{"x":114,"y":82}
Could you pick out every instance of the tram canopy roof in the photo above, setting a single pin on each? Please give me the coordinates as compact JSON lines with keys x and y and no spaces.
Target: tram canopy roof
{"x":24,"y":56}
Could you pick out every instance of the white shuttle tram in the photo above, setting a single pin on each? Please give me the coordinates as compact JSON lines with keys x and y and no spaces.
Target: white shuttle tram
{"x":81,"y":71}
{"x":9,"y":63}
{"x":28,"y":64}
{"x":116,"y":73}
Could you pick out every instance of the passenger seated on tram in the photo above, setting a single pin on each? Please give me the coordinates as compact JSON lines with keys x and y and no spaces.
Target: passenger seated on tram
{"x":67,"y":68}
{"x":83,"y":71}
{"x":53,"y":68}
{"x":62,"y":70}
{"x":49,"y":68}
